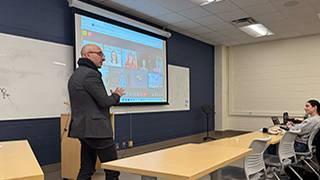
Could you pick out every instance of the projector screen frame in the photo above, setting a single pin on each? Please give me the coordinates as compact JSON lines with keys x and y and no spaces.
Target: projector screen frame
{"x":117,"y":23}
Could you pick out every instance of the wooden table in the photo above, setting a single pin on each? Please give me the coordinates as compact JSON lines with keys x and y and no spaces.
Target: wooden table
{"x":189,"y":161}
{"x":244,"y":140}
{"x":17,"y":161}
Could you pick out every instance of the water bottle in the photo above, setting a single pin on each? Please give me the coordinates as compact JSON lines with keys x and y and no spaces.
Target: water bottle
{"x":285,"y":117}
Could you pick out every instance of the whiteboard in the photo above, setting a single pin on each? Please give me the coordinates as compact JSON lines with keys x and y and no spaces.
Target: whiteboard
{"x":33,"y":77}
{"x":179,"y":94}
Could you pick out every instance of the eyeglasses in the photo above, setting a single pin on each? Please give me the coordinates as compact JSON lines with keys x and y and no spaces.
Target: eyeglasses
{"x":100,"y":53}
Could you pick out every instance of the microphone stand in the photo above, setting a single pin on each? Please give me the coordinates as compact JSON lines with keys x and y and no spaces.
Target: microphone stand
{"x":208,"y":137}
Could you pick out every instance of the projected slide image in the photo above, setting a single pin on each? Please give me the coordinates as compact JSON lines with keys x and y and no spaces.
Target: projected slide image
{"x":143,"y":65}
{"x":131,"y":61}
{"x":105,"y":74}
{"x":123,"y":81}
{"x":137,"y":79}
{"x":144,"y":62}
{"x":155,"y":65}
{"x":155,"y":80}
{"x":86,"y":33}
{"x":112,"y":56}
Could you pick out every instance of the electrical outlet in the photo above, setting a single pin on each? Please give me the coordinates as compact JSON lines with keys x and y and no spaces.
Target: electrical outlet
{"x":130,"y":143}
{"x":117,"y":146}
{"x":124,"y":144}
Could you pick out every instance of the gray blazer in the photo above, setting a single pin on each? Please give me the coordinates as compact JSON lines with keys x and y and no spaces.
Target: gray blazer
{"x":90,"y":103}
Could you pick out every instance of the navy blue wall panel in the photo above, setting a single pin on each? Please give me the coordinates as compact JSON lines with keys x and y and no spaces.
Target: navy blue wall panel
{"x":49,"y":20}
{"x":52,"y":20}
{"x":42,"y":134}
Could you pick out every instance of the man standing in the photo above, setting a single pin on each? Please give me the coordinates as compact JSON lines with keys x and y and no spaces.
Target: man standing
{"x":90,"y":116}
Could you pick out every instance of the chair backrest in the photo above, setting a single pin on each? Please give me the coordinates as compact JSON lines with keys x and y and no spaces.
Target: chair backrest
{"x":312,"y":136}
{"x":314,"y":133}
{"x":254,"y":162}
{"x":286,"y":147}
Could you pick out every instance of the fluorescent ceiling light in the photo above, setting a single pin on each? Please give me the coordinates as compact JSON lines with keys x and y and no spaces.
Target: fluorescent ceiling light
{"x":256,"y":30}
{"x":208,"y":2}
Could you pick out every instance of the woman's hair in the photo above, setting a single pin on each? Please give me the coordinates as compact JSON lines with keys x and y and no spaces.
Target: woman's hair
{"x":314,"y":103}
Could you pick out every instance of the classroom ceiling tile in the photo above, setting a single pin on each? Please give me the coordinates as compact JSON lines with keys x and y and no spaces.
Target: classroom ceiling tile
{"x":210,"y":35}
{"x":172,"y":18}
{"x":207,"y":20}
{"x":174,"y":5}
{"x":188,"y":24}
{"x":231,"y":31}
{"x":241,"y":38}
{"x":270,"y":18}
{"x":212,"y":23}
{"x":194,"y":13}
{"x":313,"y":28}
{"x":220,"y":26}
{"x":127,"y":3}
{"x":144,"y":6}
{"x":259,"y":9}
{"x":315,"y":4}
{"x":232,"y":15}
{"x":153,"y":9}
{"x":245,"y":3}
{"x":199,"y":30}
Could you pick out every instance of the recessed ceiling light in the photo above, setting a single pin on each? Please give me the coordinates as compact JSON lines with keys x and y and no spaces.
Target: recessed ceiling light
{"x":206,"y":2}
{"x":256,"y":30}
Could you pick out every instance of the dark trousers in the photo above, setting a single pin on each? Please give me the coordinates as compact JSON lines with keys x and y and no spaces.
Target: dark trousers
{"x":90,"y":149}
{"x":300,"y":147}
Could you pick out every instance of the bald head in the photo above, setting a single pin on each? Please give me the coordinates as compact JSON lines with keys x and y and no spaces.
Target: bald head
{"x":94,"y":53}
{"x":88,"y":48}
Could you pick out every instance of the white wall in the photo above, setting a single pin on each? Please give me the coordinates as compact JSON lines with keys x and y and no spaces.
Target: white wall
{"x":221,"y":87}
{"x":265,"y":79}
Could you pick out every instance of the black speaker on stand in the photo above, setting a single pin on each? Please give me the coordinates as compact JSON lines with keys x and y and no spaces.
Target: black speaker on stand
{"x":207,"y":110}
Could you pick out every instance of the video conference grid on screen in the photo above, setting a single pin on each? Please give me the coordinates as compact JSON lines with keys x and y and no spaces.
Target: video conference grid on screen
{"x":133,"y":60}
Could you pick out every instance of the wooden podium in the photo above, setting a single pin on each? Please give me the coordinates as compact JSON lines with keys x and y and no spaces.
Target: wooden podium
{"x":70,"y":150}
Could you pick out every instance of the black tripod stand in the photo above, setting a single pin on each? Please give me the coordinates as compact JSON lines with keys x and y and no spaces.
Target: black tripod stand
{"x":206,"y":109}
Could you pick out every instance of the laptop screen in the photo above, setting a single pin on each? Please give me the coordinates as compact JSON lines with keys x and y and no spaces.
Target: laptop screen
{"x":275,"y":120}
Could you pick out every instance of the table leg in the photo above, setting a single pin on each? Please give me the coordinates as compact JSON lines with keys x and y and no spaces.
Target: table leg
{"x":216,"y":175}
{"x":148,"y":178}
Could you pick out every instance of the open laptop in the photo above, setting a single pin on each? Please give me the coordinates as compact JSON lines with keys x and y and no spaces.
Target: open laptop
{"x":275,"y":120}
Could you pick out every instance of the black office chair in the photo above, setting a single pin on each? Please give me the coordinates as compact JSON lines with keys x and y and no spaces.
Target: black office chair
{"x":316,"y":143}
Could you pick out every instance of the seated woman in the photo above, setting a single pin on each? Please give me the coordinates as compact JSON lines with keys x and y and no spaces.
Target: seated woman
{"x":312,"y":108}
